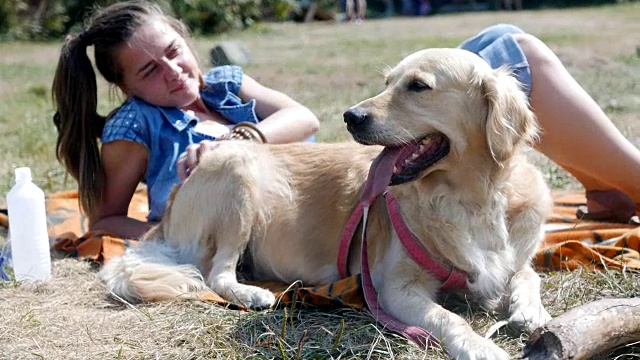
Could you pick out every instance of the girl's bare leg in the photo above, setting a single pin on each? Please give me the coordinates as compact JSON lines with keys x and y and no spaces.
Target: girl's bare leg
{"x":577,"y":134}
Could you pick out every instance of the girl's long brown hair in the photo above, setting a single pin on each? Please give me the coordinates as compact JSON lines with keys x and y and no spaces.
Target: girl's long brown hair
{"x":74,"y":91}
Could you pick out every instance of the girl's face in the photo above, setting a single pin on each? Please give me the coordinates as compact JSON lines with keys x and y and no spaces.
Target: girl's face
{"x":158,"y":67}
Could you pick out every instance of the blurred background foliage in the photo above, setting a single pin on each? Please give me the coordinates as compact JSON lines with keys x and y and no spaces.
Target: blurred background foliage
{"x":52,"y":19}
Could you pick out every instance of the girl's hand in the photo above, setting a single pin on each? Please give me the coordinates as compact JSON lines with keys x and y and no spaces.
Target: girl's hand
{"x":190,"y":158}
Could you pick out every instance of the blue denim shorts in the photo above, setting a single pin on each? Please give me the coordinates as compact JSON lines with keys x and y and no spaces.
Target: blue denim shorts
{"x":497,"y":47}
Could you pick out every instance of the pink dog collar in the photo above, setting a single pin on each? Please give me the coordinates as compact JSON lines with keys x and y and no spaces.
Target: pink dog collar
{"x":377,"y":183}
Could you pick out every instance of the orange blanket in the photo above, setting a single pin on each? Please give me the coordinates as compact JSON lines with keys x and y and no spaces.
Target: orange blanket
{"x":568,"y":244}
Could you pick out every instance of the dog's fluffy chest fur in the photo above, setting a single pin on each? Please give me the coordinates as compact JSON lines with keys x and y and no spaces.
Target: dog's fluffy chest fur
{"x":472,"y":237}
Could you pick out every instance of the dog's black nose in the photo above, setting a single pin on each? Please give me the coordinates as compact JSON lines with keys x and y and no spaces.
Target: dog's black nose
{"x":355,"y":117}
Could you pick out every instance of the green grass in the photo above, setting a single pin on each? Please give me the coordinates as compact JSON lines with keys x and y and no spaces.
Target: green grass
{"x":329,"y":67}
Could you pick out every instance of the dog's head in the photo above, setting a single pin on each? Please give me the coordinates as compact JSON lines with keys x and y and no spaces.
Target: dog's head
{"x":442,"y":107}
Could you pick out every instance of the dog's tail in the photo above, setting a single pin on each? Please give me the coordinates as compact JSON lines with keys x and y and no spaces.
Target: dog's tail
{"x":148,"y":272}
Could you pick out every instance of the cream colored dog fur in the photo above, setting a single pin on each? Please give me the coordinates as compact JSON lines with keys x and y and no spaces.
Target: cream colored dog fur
{"x":280,"y":209}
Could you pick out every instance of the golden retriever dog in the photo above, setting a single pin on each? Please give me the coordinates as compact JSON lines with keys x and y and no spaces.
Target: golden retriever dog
{"x":457,"y":130}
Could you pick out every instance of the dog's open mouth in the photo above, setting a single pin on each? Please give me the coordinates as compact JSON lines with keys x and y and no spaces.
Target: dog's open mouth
{"x":414,"y":157}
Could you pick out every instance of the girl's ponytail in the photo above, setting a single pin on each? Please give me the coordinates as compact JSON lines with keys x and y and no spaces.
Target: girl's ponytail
{"x":79,"y":126}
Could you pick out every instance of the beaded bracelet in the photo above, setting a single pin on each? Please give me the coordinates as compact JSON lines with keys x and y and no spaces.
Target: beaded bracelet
{"x":247,"y":131}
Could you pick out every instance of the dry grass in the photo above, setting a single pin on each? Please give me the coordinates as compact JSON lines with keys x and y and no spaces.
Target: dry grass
{"x":329,"y":67}
{"x":72,"y":317}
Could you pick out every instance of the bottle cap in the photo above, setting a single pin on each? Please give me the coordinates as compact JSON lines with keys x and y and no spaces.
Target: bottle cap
{"x":23,"y":174}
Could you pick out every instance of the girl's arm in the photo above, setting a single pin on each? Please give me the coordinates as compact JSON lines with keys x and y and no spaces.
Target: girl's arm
{"x":284,"y":119}
{"x":124,"y":164}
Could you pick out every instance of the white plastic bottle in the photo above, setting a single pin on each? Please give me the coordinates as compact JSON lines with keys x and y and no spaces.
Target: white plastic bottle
{"x":28,"y":229}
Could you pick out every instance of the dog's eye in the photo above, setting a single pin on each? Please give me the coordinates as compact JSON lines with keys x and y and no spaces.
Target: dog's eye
{"x":418,"y":86}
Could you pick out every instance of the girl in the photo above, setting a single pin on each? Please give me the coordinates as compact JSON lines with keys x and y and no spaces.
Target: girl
{"x":170,"y":104}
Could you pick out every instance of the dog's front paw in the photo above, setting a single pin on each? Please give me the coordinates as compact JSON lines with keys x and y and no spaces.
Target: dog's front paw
{"x":476,"y":348}
{"x":529,"y":318}
{"x":252,"y":297}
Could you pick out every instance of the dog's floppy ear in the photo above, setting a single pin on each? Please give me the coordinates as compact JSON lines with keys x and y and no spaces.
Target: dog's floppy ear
{"x":509,"y":120}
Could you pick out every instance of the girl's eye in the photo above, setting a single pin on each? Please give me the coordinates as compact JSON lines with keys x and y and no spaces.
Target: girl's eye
{"x":151,"y":70}
{"x":173,"y":52}
{"x":418,"y":86}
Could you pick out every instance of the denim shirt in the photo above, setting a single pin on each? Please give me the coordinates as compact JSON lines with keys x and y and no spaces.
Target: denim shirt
{"x":166,"y":132}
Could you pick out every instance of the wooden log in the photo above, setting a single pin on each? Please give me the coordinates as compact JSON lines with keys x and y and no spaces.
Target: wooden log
{"x":586,"y":330}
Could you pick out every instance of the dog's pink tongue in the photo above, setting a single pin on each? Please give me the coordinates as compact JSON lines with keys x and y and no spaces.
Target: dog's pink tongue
{"x":380,"y":173}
